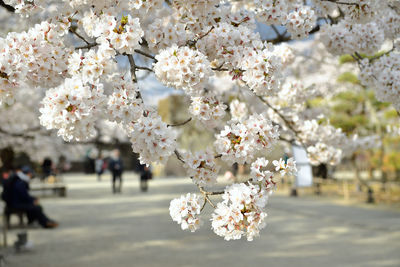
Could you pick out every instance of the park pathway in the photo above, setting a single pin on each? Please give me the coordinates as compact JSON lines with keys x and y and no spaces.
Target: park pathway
{"x":99,"y":229}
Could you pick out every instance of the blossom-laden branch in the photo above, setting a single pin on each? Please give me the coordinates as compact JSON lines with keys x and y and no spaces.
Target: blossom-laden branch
{"x":288,"y":123}
{"x":192,"y":43}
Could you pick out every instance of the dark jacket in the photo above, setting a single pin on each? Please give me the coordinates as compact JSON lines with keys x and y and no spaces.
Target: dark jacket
{"x":116,"y":166}
{"x":145,"y":173}
{"x":16,"y":192}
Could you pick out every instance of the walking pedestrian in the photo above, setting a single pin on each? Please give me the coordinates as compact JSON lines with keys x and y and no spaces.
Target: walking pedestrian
{"x":116,"y":168}
{"x":99,"y":166}
{"x":145,"y":176}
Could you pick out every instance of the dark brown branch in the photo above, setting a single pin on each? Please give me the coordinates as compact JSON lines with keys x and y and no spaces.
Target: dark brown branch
{"x":288,"y":123}
{"x":179,"y":156}
{"x":204,"y":204}
{"x":285,"y":38}
{"x":88,"y":46}
{"x":133,"y":67}
{"x":7,"y":7}
{"x":278,"y":34}
{"x":180,"y":123}
{"x":192,"y":43}
{"x":144,"y":68}
{"x":220,"y":68}
{"x":73,"y":31}
{"x":145,"y":54}
{"x":342,"y":3}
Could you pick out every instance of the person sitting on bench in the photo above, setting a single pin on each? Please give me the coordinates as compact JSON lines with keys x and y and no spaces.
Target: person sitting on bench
{"x":16,"y":195}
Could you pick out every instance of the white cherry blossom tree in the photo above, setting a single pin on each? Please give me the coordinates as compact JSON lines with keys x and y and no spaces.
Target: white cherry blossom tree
{"x":74,"y":51}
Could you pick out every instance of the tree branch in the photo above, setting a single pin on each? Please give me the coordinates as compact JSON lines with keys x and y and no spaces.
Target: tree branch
{"x":145,"y":54}
{"x":180,"y":123}
{"x":144,"y":68}
{"x":88,"y":46}
{"x":342,"y":3}
{"x":179,"y":156}
{"x":133,"y":67}
{"x":8,"y":7}
{"x":73,"y":30}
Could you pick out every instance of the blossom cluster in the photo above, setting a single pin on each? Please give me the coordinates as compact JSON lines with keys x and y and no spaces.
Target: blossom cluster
{"x":262,"y":71}
{"x":324,"y":142}
{"x":241,"y":212}
{"x":183,"y":68}
{"x":93,"y":65}
{"x":122,"y":34}
{"x":208,"y":109}
{"x":124,"y":104}
{"x":201,"y":167}
{"x":238,"y":110}
{"x":37,"y":57}
{"x":383,"y":76}
{"x":185,"y":211}
{"x":151,"y":138}
{"x":300,"y":22}
{"x":260,"y":173}
{"x":240,"y":141}
{"x":72,"y":108}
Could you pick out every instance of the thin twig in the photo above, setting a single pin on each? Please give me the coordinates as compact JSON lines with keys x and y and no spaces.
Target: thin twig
{"x":144,"y":68}
{"x":204,"y":204}
{"x":192,"y":43}
{"x":8,"y":7}
{"x":72,"y":30}
{"x":288,"y":123}
{"x":210,"y":202}
{"x":133,"y":67}
{"x":90,"y":45}
{"x":276,"y":31}
{"x":209,"y":193}
{"x":145,"y":54}
{"x":179,"y":156}
{"x":180,"y":123}
{"x":342,"y":3}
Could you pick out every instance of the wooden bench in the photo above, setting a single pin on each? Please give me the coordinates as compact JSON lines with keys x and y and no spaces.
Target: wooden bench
{"x":57,"y":189}
{"x":6,"y":220}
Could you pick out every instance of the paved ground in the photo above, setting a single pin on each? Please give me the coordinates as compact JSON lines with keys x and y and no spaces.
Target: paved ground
{"x":134,"y":229}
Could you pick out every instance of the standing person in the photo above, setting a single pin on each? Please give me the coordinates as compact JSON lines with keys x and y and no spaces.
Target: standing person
{"x":47,"y":166}
{"x":145,"y":175}
{"x":116,"y":167}
{"x":99,"y":166}
{"x":16,"y":195}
